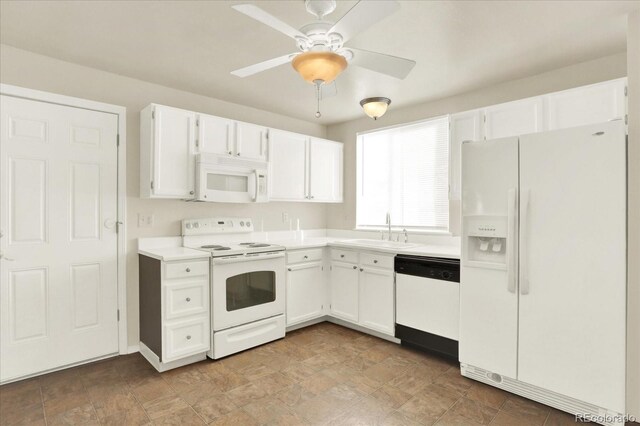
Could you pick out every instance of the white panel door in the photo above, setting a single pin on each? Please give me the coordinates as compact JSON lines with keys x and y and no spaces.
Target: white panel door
{"x":514,"y":118}
{"x":344,"y":291}
{"x":488,"y":298}
{"x":376,"y":299}
{"x":58,"y":189}
{"x":466,"y":126}
{"x":325,"y":170}
{"x":251,"y":141}
{"x":287,"y":164}
{"x":597,"y":103}
{"x":573,"y":263}
{"x":305,"y":292}
{"x":174,"y":145}
{"x":216,"y":135}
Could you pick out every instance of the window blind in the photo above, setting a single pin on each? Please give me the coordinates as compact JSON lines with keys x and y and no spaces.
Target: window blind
{"x":404,"y":171}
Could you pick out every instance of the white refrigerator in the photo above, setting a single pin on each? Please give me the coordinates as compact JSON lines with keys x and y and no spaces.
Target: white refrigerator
{"x":543,"y":270}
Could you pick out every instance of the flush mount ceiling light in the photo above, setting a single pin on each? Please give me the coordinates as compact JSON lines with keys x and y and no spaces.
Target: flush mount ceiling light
{"x":375,"y":107}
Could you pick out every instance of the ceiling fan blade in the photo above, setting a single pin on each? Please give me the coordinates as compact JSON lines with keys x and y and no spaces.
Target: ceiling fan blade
{"x":379,"y":62}
{"x":328,"y":90}
{"x":261,"y":16}
{"x":361,"y":16}
{"x":263,"y":66}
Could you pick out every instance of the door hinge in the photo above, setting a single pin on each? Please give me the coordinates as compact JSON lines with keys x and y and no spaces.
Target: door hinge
{"x":118,"y":139}
{"x":626,"y":119}
{"x":197,"y":143}
{"x":153,"y":114}
{"x":626,"y":92}
{"x":118,"y":223}
{"x":118,"y":314}
{"x":197,"y":122}
{"x":151,"y":184}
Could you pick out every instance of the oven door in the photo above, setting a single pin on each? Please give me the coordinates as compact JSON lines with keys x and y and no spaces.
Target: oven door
{"x":228,"y":185}
{"x":247,"y":288}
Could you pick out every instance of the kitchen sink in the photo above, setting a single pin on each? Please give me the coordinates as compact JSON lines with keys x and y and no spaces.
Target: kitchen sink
{"x":380,"y":243}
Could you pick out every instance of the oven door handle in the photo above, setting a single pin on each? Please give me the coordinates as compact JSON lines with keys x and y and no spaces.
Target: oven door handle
{"x":222,"y":261}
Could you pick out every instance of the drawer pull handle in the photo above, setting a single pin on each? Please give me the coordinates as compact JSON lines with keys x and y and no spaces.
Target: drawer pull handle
{"x":289,"y":269}
{"x":361,"y":269}
{"x":188,"y":269}
{"x":342,"y":255}
{"x":375,"y":261}
{"x":188,"y":299}
{"x":188,"y":337}
{"x":355,"y":267}
{"x":306,"y":257}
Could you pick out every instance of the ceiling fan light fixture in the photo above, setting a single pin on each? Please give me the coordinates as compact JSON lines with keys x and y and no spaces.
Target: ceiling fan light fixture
{"x":324,"y":66}
{"x":375,"y":107}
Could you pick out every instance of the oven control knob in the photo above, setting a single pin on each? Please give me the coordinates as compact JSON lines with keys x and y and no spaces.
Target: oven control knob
{"x":446,"y":275}
{"x":248,"y":223}
{"x":188,"y":226}
{"x":241,"y":223}
{"x":196,"y":225}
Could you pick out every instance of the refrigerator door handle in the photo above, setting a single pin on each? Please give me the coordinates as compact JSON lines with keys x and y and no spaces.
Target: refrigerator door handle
{"x":512,"y":237}
{"x":524,"y":243}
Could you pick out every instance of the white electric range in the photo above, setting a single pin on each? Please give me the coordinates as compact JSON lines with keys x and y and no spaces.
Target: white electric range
{"x":247,"y":283}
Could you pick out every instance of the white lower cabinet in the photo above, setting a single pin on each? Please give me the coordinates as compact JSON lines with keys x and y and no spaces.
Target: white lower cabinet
{"x":362,"y":292}
{"x":376,"y":299}
{"x":174,"y":311}
{"x":306,"y":286}
{"x":344,"y":291}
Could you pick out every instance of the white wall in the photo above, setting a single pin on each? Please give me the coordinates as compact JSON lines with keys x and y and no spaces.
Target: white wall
{"x":633,"y":293}
{"x":343,"y":216}
{"x":22,"y":68}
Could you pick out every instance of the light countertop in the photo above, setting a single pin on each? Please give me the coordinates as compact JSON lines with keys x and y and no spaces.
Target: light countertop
{"x":168,"y":254}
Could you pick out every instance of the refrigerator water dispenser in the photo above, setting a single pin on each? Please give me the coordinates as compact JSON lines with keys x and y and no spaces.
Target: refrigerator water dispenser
{"x":486,"y":241}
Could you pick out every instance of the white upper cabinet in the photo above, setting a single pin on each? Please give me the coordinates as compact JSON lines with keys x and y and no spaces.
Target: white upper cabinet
{"x":596,"y":103}
{"x":287,"y":166}
{"x":466,"y":126}
{"x":514,"y":118}
{"x":325,"y":170}
{"x":216,"y":135}
{"x":167,"y":152}
{"x":251,"y":141}
{"x":304,"y":168}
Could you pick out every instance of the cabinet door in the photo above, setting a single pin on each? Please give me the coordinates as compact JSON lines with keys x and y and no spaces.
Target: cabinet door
{"x":466,"y":126}
{"x":344,"y":291}
{"x":173,"y":153}
{"x":325,"y":170}
{"x":215,"y":134}
{"x":251,"y":141}
{"x":592,"y":104}
{"x":287,"y":164}
{"x":305,"y":292}
{"x":376,"y":299}
{"x":572,"y":263}
{"x":514,"y":118}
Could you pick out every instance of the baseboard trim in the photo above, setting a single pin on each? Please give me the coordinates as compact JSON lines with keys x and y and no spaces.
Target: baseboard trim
{"x":133,"y":349}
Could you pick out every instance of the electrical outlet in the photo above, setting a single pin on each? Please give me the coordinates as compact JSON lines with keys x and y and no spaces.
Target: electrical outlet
{"x":145,"y":220}
{"x":285,"y":217}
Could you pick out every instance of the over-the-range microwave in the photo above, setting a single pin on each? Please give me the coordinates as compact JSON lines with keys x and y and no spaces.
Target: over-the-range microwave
{"x":225,"y":179}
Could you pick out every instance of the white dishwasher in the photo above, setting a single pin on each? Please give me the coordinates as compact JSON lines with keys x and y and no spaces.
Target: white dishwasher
{"x":428,"y":303}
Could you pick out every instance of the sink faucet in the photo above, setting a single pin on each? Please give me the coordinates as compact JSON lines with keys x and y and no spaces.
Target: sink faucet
{"x":389,"y":224}
{"x":406,"y":235}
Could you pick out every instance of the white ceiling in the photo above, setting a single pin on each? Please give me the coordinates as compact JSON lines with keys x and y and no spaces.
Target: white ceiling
{"x":193,"y":45}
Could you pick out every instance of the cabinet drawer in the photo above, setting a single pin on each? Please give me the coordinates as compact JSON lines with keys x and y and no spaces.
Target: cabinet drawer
{"x":298,"y":256}
{"x":184,"y":338}
{"x":344,"y":255}
{"x":376,"y":260}
{"x":186,"y":269}
{"x":184,"y":299}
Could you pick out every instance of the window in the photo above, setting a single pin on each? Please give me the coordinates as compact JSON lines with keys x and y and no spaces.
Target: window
{"x":404,"y":171}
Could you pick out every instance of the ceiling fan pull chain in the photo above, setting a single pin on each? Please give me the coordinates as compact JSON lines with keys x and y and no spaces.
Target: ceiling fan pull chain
{"x":318,"y":83}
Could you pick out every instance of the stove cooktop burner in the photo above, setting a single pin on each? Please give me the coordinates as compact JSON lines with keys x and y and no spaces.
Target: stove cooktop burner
{"x":246,"y":244}
{"x":222,"y":248}
{"x":259,"y":245}
{"x":211,"y":246}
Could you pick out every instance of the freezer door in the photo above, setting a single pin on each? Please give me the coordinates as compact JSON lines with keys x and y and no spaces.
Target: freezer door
{"x":573,"y":263}
{"x":488,"y":275}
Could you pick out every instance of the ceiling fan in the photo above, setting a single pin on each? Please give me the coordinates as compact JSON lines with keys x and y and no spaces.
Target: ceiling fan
{"x":322,"y":54}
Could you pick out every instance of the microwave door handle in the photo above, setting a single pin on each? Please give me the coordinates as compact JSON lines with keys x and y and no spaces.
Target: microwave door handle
{"x":256,"y":182}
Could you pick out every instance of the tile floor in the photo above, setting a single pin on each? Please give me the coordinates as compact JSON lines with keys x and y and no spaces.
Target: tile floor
{"x":324,"y":374}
